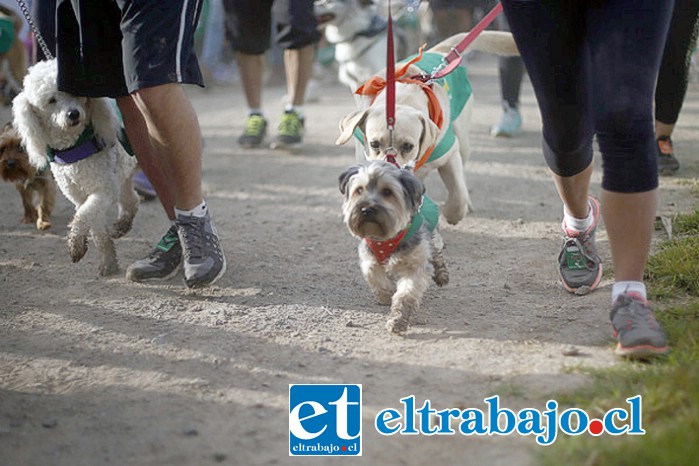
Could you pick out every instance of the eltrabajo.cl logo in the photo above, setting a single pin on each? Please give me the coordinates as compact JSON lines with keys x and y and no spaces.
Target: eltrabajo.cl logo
{"x":325,"y":420}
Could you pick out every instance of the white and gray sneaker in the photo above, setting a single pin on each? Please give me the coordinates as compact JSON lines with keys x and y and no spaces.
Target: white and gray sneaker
{"x":204,"y":261}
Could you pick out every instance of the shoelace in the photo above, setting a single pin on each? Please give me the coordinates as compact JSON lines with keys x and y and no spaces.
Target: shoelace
{"x":290,"y":125}
{"x":639,"y":309}
{"x":254,"y":125}
{"x":194,"y":237}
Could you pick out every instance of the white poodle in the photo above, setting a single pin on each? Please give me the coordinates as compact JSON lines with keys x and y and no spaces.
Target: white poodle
{"x":78,"y":136}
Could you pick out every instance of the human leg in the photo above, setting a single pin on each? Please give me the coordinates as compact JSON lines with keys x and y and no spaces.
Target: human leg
{"x":452,"y":16}
{"x":298,"y":65}
{"x":298,"y":35}
{"x":673,"y":79}
{"x":162,"y":118}
{"x":564,"y":102}
{"x":251,"y":71}
{"x":622,"y":60}
{"x":511,"y":72}
{"x":624,"y":125}
{"x":248,"y":26}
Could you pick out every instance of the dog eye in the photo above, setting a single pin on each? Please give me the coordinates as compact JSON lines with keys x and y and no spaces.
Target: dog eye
{"x":358,"y":191}
{"x":407,"y":147}
{"x":387,"y":192}
{"x":52,"y":100}
{"x":375,"y":145}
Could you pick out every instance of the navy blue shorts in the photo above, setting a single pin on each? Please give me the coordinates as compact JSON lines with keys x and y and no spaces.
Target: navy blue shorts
{"x":249,"y":24}
{"x":118,"y":47}
{"x":593,"y":66}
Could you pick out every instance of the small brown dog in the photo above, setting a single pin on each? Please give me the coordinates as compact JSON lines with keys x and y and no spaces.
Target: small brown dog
{"x":401,"y":248}
{"x":15,"y":168}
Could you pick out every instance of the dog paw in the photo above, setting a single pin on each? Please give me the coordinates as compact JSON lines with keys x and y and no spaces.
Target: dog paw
{"x":43,"y":224}
{"x":121,"y":227}
{"x":77,"y":247}
{"x":441,"y":277}
{"x":397,"y":324}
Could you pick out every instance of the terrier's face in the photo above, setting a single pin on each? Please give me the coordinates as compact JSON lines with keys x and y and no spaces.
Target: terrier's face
{"x":380,"y":199}
{"x":14,"y":162}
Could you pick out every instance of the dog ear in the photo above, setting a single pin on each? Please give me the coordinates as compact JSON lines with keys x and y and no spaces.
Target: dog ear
{"x":103,"y":118}
{"x":349,"y":123}
{"x":414,"y":189}
{"x":430,"y":133}
{"x":346,"y":176}
{"x":28,"y":124}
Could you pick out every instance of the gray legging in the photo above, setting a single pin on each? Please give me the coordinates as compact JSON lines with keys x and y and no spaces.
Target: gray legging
{"x":593,"y":65}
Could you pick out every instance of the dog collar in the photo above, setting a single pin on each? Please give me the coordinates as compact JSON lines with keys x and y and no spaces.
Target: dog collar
{"x":86,"y":145}
{"x":427,"y":214}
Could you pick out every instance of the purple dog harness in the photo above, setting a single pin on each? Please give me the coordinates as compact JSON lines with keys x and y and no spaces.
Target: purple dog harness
{"x":87,"y":144}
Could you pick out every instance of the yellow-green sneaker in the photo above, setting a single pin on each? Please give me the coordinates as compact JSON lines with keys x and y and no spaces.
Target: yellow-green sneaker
{"x":290,"y":134}
{"x":255,"y":131}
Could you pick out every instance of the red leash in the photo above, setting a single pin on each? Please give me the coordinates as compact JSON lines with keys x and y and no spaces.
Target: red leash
{"x":454,"y":57}
{"x":390,"y":91}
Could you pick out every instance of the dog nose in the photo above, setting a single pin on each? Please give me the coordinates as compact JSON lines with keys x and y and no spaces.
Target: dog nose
{"x":73,"y":115}
{"x":368,"y":211}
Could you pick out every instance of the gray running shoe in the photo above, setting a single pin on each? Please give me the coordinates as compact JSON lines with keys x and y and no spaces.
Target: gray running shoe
{"x":579,"y":265}
{"x":290,"y":131}
{"x":255,"y":131}
{"x":162,"y":263}
{"x":204,"y":261}
{"x":635,"y":328}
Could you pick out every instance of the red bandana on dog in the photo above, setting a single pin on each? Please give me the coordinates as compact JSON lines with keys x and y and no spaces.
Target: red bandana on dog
{"x":384,"y":249}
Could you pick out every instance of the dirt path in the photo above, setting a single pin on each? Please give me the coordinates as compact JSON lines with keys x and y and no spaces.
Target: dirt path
{"x":104,"y":371}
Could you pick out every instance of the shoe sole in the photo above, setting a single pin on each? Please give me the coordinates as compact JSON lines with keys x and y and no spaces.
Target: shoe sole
{"x":504,"y":134}
{"x":158,"y":279}
{"x":214,"y":280}
{"x":250,"y":146}
{"x":641,"y":351}
{"x":281,"y":146}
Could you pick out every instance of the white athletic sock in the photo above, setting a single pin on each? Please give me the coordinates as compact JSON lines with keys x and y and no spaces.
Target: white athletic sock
{"x":255,"y":111}
{"x":294,"y":108}
{"x":577,"y":224}
{"x":628,"y":287}
{"x":199,"y":211}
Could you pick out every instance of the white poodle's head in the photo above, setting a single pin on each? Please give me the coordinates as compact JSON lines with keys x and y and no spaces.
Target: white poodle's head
{"x":45,"y":116}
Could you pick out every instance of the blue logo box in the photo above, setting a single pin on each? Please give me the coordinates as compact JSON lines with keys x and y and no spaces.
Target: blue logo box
{"x":325,"y":420}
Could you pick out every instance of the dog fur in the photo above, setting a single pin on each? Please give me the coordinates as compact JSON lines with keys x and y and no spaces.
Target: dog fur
{"x":46,"y":117}
{"x":380,"y":201}
{"x":15,"y":168}
{"x":415,"y":132}
{"x":359,"y":56}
